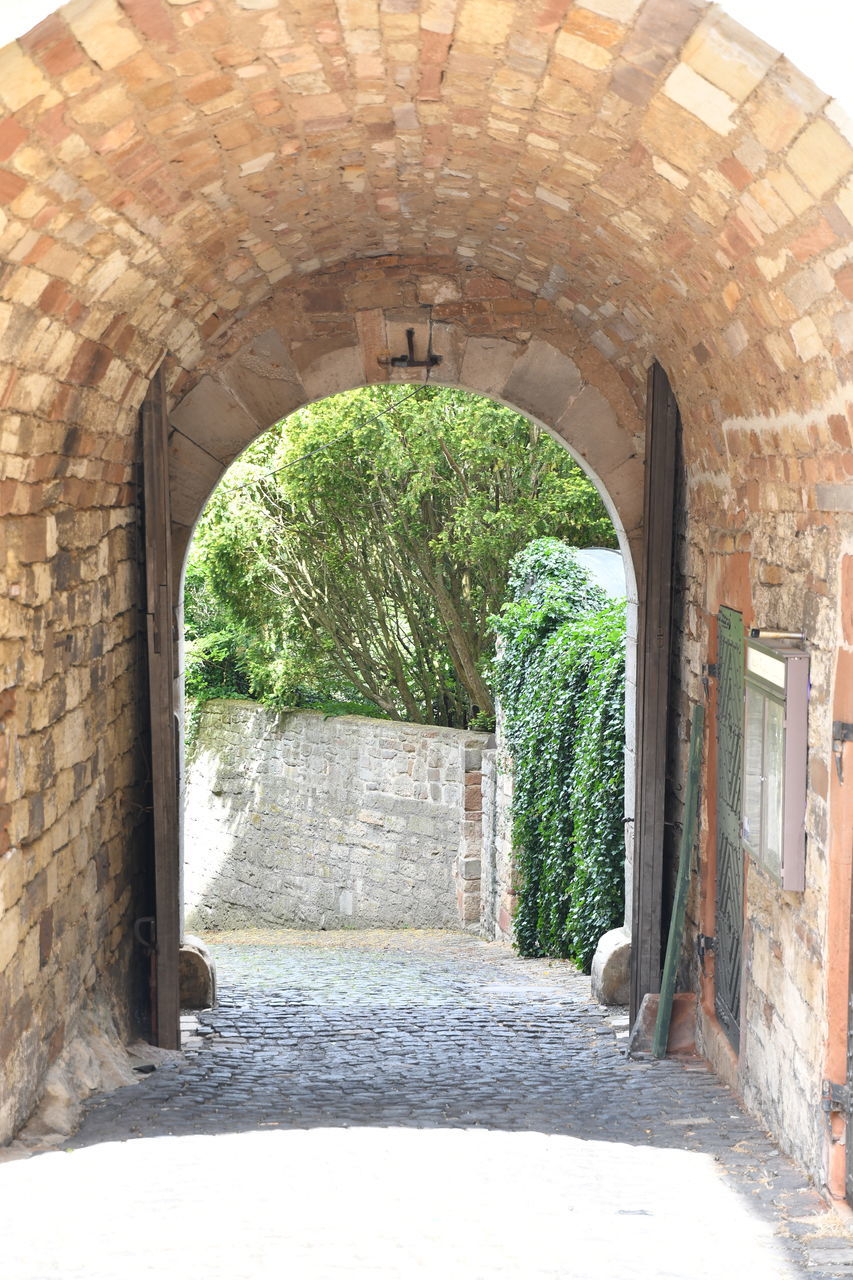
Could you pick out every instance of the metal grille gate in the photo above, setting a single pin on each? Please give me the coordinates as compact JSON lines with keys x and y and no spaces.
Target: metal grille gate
{"x":729,"y":923}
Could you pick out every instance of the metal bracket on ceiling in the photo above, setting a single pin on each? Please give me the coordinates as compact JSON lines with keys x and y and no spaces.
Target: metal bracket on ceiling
{"x":408,"y":360}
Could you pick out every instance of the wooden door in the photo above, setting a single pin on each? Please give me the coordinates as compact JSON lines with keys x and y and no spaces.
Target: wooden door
{"x":654,"y":644}
{"x":164,"y":736}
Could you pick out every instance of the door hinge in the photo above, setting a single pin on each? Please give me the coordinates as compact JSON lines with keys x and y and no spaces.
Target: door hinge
{"x":704,"y":945}
{"x":834,"y":1097}
{"x":145,"y":932}
{"x":841,"y":732}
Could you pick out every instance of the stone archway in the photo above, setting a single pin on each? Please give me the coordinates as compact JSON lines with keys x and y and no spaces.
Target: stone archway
{"x":283,"y":363}
{"x":629,"y":179}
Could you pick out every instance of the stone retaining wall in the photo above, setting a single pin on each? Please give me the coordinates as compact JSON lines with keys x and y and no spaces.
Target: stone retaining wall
{"x":331,"y":821}
{"x":498,"y":884}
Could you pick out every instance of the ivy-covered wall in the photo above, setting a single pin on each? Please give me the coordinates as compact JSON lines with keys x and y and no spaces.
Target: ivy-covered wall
{"x":561,"y":686}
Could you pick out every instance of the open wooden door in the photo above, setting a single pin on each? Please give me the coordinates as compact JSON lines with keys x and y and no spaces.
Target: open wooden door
{"x":654,"y":644}
{"x":165,"y":998}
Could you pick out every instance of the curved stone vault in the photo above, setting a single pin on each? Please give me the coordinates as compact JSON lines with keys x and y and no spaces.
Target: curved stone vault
{"x":263,"y":195}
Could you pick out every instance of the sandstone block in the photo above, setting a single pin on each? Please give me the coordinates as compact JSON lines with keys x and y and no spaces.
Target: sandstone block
{"x":729,"y":56}
{"x":196,"y":974}
{"x":701,"y":98}
{"x":31,"y":538}
{"x":487,"y":364}
{"x":620,"y":10}
{"x":448,"y":342}
{"x":611,"y":968}
{"x":807,"y":339}
{"x":109,"y":107}
{"x":588,"y":54}
{"x":682,"y":1027}
{"x":592,"y":428}
{"x":333,"y":371}
{"x":484,"y":22}
{"x":193,"y":475}
{"x":820,"y":157}
{"x":470,"y":903}
{"x":100,"y":27}
{"x":543,"y":382}
{"x":264,"y":380}
{"x":834,"y":497}
{"x":214,"y":419}
{"x":21,"y":81}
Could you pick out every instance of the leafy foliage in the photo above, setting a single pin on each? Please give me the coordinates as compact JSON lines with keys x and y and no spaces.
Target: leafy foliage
{"x":359,"y":560}
{"x":218,"y":663}
{"x":560,"y":679}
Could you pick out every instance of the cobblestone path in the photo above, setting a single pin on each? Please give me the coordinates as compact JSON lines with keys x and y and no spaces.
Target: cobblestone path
{"x":475,"y":1109}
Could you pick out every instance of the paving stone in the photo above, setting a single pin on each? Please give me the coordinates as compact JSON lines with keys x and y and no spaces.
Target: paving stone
{"x":437,"y":1031}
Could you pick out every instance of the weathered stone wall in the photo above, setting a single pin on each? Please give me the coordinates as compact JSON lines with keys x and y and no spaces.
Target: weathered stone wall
{"x":73,"y":817}
{"x":334,"y":821}
{"x":498,"y":886}
{"x":769,"y":539}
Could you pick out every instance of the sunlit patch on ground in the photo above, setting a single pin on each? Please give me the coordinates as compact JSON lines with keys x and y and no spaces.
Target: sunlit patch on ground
{"x":379,"y":1202}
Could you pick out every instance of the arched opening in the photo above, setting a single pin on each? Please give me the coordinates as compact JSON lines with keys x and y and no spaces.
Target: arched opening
{"x":255,"y":843}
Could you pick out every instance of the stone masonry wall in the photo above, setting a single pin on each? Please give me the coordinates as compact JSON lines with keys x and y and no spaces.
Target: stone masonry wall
{"x":330,"y":821}
{"x":555,"y":193}
{"x":498,"y":885}
{"x":780,"y":567}
{"x":73,"y":816}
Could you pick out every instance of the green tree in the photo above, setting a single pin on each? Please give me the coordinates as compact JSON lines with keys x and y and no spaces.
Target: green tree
{"x":367,"y":554}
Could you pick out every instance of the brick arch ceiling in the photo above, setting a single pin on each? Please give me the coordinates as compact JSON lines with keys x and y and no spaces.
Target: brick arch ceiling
{"x":646,"y":169}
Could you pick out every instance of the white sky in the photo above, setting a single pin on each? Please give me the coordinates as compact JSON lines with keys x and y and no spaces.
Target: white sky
{"x":817,"y":36}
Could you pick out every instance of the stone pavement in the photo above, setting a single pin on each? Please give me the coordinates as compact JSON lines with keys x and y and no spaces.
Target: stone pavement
{"x":413,"y":1104}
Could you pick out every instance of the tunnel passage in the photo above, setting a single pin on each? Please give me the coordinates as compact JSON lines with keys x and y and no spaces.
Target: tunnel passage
{"x":624,"y":180}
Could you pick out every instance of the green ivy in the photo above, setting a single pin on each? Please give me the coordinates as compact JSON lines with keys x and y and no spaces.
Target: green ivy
{"x":560,"y":681}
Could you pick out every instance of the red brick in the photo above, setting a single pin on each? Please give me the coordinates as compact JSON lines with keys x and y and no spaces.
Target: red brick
{"x":42,"y":246}
{"x":819,"y":237}
{"x":737,"y":174}
{"x":434,"y":47}
{"x":54,"y":298}
{"x":90,"y":363}
{"x":152,"y":20}
{"x":208,"y":88}
{"x":11,"y":137}
{"x":844,"y":280}
{"x":54,"y":46}
{"x":11,"y":186}
{"x":486,"y":287}
{"x":51,"y":124}
{"x":429,"y":89}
